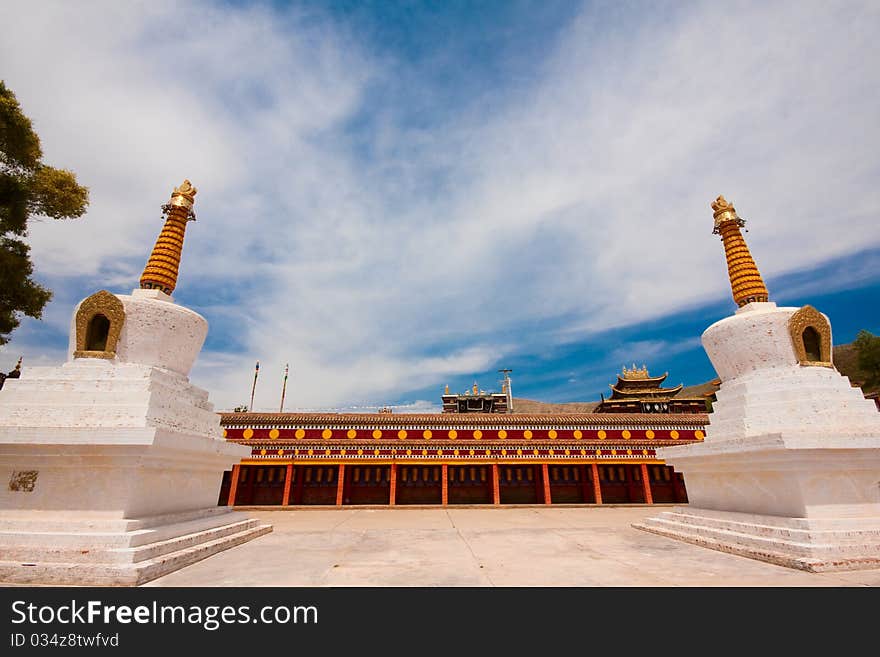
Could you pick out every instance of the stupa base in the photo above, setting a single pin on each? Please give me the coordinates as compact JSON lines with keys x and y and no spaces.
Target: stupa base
{"x":42,"y":549}
{"x":811,"y":544}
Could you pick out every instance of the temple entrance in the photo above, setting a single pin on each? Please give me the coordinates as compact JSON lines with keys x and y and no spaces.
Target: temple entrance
{"x":470,"y":484}
{"x":367,"y":484}
{"x":314,"y":485}
{"x":520,"y":484}
{"x":419,"y":484}
{"x":621,"y":484}
{"x":571,"y":484}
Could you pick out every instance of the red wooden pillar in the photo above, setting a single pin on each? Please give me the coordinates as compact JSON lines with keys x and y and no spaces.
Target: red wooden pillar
{"x":545,"y":475}
{"x":288,"y":479}
{"x":496,"y":489}
{"x":444,"y":499}
{"x":233,"y":484}
{"x":340,"y":484}
{"x":393,"y":496}
{"x":646,"y":482}
{"x":597,"y":487}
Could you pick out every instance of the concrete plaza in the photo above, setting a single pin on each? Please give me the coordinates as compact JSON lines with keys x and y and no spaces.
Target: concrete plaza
{"x":473,"y":546}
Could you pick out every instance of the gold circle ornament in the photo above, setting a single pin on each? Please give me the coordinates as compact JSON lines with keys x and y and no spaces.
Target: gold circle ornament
{"x":377,"y":434}
{"x":326,"y":434}
{"x":273,"y":434}
{"x":351,"y":433}
{"x":649,"y":434}
{"x":375,"y":452}
{"x":602,"y":435}
{"x":409,"y":452}
{"x":263,"y":452}
{"x":453,"y":434}
{"x":502,"y":434}
{"x":360,"y":452}
{"x":300,"y":434}
{"x":673,"y":434}
{"x":478,"y":434}
{"x":224,"y":433}
{"x":552,"y":433}
{"x":471,"y":452}
{"x":699,"y":435}
{"x":578,"y":434}
{"x":519,"y":452}
{"x":426,"y":434}
{"x":280,"y":452}
{"x":248,"y":433}
{"x":401,"y":434}
{"x":311,"y":451}
{"x":527,"y":434}
{"x":455,"y":452}
{"x":326,"y":452}
{"x":626,"y":434}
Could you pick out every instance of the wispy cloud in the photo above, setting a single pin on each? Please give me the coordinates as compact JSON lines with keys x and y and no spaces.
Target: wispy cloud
{"x":379,"y":258}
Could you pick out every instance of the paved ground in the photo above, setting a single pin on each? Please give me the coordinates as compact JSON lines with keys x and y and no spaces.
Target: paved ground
{"x":525,"y":546}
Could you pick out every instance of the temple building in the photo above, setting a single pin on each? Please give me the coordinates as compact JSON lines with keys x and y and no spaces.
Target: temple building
{"x":636,"y":391}
{"x":470,"y":454}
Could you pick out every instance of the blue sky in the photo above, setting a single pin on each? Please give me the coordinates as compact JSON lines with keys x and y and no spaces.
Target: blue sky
{"x":394,"y":196}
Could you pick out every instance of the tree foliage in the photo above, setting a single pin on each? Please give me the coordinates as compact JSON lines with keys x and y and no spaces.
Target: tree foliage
{"x":28,"y":188}
{"x":868,"y":346}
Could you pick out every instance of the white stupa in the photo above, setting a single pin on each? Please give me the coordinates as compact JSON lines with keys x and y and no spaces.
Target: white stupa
{"x":789,"y":471}
{"x":111,"y":464}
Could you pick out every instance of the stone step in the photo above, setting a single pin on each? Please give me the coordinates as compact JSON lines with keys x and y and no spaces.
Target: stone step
{"x":115,"y":548}
{"x":65,"y":523}
{"x":104,"y":538}
{"x":118,"y":574}
{"x":800,"y":547}
{"x":807,"y":535}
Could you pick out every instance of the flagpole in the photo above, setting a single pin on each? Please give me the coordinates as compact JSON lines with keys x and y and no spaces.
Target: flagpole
{"x":256,"y":374}
{"x":283,"y":389}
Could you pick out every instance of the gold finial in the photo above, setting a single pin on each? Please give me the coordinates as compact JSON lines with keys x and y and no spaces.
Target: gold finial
{"x":184,"y":195}
{"x":476,"y":389}
{"x":745,"y":279}
{"x":446,"y":391}
{"x":18,"y":365}
{"x":635,"y":373}
{"x":164,"y":263}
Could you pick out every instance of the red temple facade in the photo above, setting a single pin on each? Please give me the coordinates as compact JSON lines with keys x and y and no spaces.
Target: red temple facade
{"x":456,"y":458}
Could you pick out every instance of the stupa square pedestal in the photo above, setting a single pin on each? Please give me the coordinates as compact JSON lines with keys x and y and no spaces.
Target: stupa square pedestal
{"x":801,"y":502}
{"x":111,"y":476}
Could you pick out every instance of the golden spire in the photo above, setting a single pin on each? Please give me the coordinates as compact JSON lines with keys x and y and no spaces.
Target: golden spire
{"x":161,"y":270}
{"x":446,"y":392}
{"x":745,"y":279}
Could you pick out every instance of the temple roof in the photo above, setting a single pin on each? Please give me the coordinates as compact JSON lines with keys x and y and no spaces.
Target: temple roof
{"x":457,"y":419}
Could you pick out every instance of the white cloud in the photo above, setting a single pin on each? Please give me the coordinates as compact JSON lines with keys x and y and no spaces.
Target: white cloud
{"x":582,"y":195}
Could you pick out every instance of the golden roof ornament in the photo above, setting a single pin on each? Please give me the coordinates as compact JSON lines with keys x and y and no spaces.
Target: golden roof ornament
{"x":164,"y":263}
{"x":745,"y":279}
{"x":635,"y":373}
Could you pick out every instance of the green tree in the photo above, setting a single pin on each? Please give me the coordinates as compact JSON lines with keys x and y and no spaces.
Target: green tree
{"x":28,"y":188}
{"x":868,"y":347}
